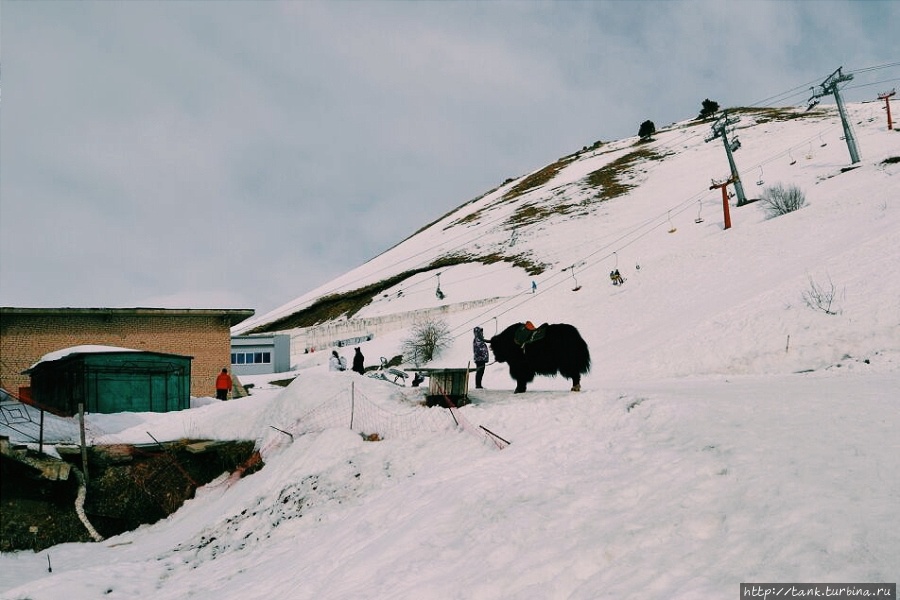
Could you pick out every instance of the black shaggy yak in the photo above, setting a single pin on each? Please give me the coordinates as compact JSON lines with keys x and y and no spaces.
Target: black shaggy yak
{"x":546,"y":350}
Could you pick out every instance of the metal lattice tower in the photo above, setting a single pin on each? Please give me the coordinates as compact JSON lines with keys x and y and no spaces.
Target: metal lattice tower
{"x":720,"y":129}
{"x":830,"y":87}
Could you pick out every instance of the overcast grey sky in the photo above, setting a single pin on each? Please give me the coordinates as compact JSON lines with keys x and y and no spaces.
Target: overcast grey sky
{"x":238,"y":154}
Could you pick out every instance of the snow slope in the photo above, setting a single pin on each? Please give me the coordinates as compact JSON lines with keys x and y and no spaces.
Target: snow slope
{"x":727,"y":433}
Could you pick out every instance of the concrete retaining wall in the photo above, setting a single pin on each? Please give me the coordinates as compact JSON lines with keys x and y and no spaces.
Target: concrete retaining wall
{"x":320,"y":337}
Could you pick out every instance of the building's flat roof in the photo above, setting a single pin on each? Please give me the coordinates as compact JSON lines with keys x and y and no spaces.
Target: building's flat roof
{"x":234,"y":315}
{"x":93,"y":349}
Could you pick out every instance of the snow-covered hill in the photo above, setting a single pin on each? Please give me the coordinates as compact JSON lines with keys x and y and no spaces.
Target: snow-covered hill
{"x":634,"y":206}
{"x":727,"y":433}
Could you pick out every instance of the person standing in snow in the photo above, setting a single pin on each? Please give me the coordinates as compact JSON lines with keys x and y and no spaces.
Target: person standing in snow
{"x":358,"y":361}
{"x":337,"y":362}
{"x":223,"y":384}
{"x":480,"y":350}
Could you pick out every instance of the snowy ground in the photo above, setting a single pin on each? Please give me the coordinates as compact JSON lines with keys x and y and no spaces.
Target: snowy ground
{"x":727,"y":433}
{"x":674,"y":488}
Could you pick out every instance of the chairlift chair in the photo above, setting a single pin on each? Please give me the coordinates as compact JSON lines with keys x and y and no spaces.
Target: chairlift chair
{"x":438,"y":292}
{"x":577,"y":287}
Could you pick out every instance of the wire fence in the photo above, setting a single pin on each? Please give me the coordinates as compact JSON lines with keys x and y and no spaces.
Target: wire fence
{"x":351,"y":409}
{"x":354,"y":410}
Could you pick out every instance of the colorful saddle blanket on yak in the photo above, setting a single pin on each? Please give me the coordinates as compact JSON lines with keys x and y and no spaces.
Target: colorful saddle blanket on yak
{"x":528,"y":333}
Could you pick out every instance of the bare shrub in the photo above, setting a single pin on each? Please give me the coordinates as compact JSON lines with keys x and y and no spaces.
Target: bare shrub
{"x":427,"y":339}
{"x":821,"y":297}
{"x":780,"y":200}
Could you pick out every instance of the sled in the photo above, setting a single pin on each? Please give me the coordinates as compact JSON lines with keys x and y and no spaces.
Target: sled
{"x":389,"y":374}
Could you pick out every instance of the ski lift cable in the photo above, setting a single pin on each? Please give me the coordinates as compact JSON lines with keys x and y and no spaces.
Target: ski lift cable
{"x":665,"y":146}
{"x":525,"y":298}
{"x":466,"y":236}
{"x":874,"y":68}
{"x":651,"y":225}
{"x":798,"y":146}
{"x":501,"y":217}
{"x":803,"y":89}
{"x":680,"y":208}
{"x":544,"y":283}
{"x":874,"y":83}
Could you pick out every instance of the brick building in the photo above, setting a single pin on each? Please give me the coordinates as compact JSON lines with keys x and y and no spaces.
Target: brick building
{"x":27,"y":334}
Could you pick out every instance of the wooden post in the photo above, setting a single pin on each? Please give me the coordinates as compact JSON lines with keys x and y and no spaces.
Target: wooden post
{"x":84,"y":459}
{"x":887,"y":104}
{"x":41,"y":435}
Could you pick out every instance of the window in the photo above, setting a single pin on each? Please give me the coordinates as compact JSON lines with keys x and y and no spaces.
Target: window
{"x":251,"y":358}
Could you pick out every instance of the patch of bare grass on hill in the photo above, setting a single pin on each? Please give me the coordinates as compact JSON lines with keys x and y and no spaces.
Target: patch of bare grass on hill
{"x":334,"y":306}
{"x":609,"y":179}
{"x":537,"y":178}
{"x":769,"y":114}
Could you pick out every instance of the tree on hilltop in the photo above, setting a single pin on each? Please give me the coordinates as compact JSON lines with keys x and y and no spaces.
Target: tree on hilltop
{"x":710,"y":107}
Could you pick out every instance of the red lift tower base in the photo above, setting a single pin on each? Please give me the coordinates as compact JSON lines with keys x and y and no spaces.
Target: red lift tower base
{"x":887,"y":105}
{"x":724,"y":187}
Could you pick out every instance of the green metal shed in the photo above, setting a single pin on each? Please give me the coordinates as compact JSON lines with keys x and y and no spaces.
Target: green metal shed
{"x":107,"y":379}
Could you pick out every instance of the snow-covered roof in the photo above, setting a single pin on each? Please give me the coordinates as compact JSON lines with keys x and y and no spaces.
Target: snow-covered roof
{"x":82,"y":349}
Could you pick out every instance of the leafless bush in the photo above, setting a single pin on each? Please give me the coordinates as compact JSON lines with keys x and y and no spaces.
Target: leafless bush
{"x":427,"y":339}
{"x":821,"y":297}
{"x":780,"y":200}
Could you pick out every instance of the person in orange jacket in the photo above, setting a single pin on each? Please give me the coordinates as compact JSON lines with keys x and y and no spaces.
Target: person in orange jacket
{"x":223,"y":384}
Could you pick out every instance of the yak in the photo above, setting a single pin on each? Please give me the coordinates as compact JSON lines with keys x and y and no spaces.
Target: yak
{"x":546,"y":350}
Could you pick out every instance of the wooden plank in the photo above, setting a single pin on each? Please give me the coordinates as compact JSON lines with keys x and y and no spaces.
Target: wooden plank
{"x":200,"y":447}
